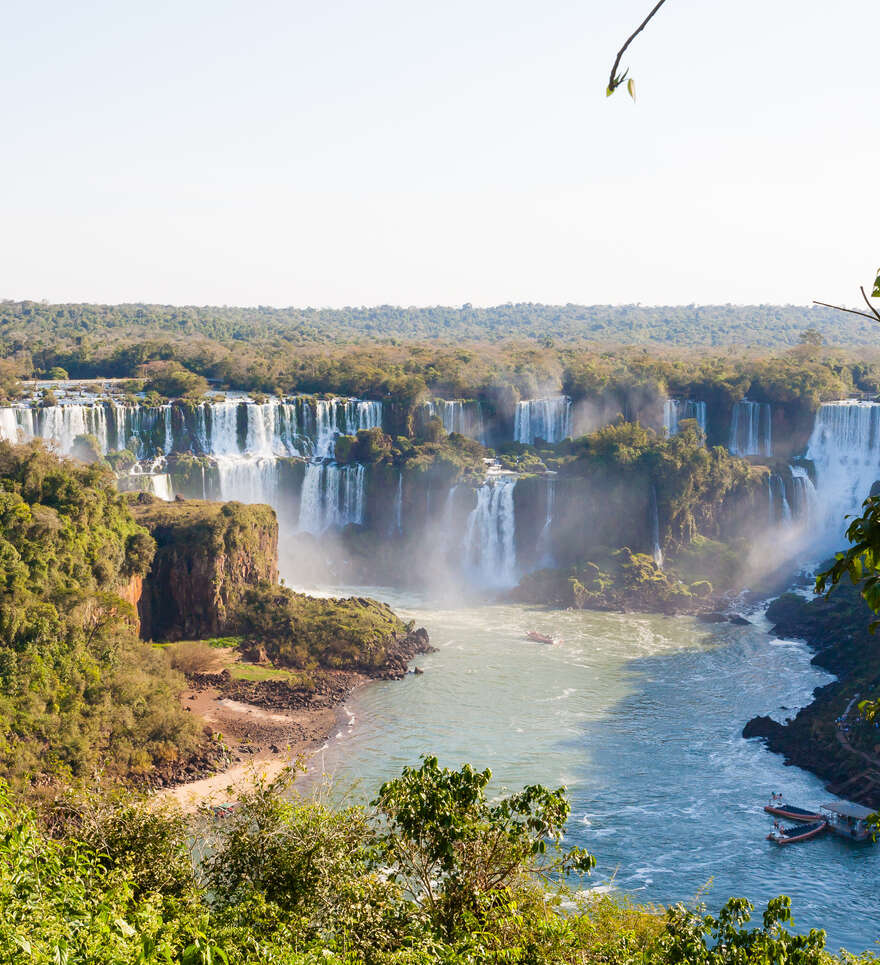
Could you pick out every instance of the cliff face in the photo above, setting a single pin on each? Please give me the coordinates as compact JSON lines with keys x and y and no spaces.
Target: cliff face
{"x":206,"y":555}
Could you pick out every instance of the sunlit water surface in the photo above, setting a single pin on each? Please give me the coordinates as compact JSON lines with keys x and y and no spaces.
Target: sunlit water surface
{"x":640,"y":717}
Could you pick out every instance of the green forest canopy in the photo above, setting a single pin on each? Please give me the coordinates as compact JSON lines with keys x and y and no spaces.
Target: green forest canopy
{"x":685,"y":325}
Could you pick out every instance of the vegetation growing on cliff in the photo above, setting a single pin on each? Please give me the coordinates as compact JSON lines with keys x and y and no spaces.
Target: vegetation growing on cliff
{"x":621,"y":580}
{"x":435,"y":872}
{"x":304,"y":631}
{"x":78,"y":691}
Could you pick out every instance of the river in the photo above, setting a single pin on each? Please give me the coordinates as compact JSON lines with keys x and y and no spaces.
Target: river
{"x":640,"y":717}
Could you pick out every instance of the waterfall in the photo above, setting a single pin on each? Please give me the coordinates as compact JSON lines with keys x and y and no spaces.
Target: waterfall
{"x":670,"y":416}
{"x":674,"y":410}
{"x":248,"y":479}
{"x":548,"y":419}
{"x":332,"y":496}
{"x":398,"y":504}
{"x":489,"y":548}
{"x":544,"y":545}
{"x":845,"y":450}
{"x":779,"y":507}
{"x":335,"y":417}
{"x":805,"y":501}
{"x":9,"y":424}
{"x":655,"y":529}
{"x":751,"y":429}
{"x":160,"y":485}
{"x":464,"y":416}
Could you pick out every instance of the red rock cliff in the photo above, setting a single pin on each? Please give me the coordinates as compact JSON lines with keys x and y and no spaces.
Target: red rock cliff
{"x":206,"y":554}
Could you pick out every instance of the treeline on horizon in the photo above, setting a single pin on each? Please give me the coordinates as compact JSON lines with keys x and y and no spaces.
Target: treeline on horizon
{"x":225,"y":347}
{"x":666,"y":325}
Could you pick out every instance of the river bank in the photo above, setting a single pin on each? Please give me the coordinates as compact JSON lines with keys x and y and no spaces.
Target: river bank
{"x":828,"y":736}
{"x":259,"y":741}
{"x":268,"y":719}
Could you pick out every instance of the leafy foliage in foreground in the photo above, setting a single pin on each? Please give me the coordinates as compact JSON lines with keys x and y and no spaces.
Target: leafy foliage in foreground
{"x":434,"y":874}
{"x":78,"y":690}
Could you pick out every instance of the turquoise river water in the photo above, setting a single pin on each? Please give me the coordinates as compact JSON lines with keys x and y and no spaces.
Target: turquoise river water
{"x":640,"y":717}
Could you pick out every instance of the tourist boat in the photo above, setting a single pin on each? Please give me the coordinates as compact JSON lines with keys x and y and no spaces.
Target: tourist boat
{"x":539,"y":637}
{"x":848,"y":820}
{"x":792,"y":813}
{"x":803,"y":832}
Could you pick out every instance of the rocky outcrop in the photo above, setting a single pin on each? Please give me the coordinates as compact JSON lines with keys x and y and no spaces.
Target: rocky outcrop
{"x":206,"y":555}
{"x":829,"y":737}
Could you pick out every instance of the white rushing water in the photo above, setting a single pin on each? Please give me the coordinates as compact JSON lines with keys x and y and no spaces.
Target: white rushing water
{"x":845,"y":450}
{"x":657,"y":551}
{"x":548,"y":419}
{"x":779,"y":510}
{"x":233,"y":427}
{"x":332,"y":496}
{"x":751,"y":429}
{"x":464,"y":416}
{"x":805,"y":499}
{"x":674,"y":410}
{"x":489,"y":547}
{"x":545,"y":541}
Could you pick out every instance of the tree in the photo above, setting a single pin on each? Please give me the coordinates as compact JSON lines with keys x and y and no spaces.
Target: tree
{"x":459,"y":855}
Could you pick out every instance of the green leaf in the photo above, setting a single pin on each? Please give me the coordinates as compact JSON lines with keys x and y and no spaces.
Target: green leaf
{"x":876,"y":292}
{"x":609,"y":91}
{"x":631,"y":87}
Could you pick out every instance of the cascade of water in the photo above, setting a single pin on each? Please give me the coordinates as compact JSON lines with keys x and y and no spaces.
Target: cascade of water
{"x":332,"y":496}
{"x":674,"y":410}
{"x":160,"y":485}
{"x":221,"y":428}
{"x":545,"y":544}
{"x":779,"y":506}
{"x":655,"y":529}
{"x":670,"y":416}
{"x":250,"y":479}
{"x":489,"y":545}
{"x":751,"y":429}
{"x":9,"y":424}
{"x":845,"y":450}
{"x":805,"y":501}
{"x":325,"y":428}
{"x":548,"y":419}
{"x":398,"y":504}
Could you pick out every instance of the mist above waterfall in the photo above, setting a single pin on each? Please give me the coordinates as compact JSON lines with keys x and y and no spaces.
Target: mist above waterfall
{"x":435,"y":523}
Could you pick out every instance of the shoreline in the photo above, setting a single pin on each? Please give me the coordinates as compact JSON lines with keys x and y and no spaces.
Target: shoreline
{"x":307,"y":731}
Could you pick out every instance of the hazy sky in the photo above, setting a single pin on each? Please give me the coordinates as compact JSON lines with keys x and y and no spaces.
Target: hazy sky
{"x":333,"y":153}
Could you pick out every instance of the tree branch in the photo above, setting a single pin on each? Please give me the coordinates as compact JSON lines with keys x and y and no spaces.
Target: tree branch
{"x":874,"y":311}
{"x":614,"y":81}
{"x":874,"y":316}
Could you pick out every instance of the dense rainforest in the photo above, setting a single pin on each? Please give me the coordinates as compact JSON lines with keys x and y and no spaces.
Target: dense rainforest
{"x":685,"y":325}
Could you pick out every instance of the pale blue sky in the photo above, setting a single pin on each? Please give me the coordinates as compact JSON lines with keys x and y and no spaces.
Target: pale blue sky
{"x":333,"y":153}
